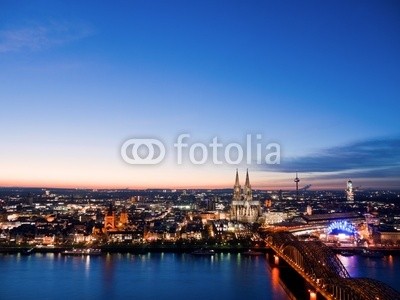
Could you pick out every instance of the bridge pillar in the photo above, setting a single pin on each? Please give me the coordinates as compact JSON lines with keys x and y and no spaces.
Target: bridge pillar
{"x":313,"y":295}
{"x":276,"y":259}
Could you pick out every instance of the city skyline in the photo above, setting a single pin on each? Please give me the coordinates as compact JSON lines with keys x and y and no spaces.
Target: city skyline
{"x":321,"y":80}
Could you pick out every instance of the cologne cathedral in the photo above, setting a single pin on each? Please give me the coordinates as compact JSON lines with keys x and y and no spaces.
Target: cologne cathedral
{"x":244,"y":208}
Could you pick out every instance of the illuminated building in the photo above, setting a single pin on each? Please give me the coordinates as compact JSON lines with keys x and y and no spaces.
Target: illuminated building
{"x":109,"y":219}
{"x":309,"y":210}
{"x":125,"y":237}
{"x":123,"y":219}
{"x":390,"y":237}
{"x":268,"y":203}
{"x":341,"y":231}
{"x":341,"y":227}
{"x":270,"y":218}
{"x":327,"y":219}
{"x":350,"y":191}
{"x":243,"y":207}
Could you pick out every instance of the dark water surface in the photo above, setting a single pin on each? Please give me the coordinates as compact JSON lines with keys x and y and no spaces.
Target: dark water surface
{"x":149,"y":276}
{"x":385,"y":269}
{"x":159,"y":276}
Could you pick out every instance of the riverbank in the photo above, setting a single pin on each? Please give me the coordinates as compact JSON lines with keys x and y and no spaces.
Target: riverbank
{"x":172,"y":248}
{"x":139,"y":249}
{"x":359,"y":250}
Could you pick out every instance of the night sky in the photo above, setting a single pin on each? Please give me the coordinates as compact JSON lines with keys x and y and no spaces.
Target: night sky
{"x":320,"y":78}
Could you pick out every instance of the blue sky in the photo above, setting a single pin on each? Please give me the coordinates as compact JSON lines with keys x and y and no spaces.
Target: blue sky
{"x":77,"y":79}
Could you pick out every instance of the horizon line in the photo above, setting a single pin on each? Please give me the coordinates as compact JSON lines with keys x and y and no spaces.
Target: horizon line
{"x":184,"y":188}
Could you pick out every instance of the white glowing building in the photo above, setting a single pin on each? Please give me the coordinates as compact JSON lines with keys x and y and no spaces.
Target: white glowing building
{"x":350,"y":191}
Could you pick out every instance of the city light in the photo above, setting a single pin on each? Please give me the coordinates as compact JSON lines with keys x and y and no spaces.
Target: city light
{"x":200,"y":150}
{"x":341,"y":227}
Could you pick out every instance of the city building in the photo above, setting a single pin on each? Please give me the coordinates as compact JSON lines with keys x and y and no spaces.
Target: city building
{"x":243,"y":207}
{"x":350,"y":191}
{"x":326,"y":219}
{"x":270,"y":218}
{"x":109,"y":219}
{"x":309,"y":210}
{"x":390,"y":236}
{"x":123,"y":219}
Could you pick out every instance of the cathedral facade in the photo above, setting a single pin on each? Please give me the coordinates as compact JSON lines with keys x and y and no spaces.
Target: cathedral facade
{"x":243,"y":207}
{"x":109,"y":219}
{"x":113,"y":222}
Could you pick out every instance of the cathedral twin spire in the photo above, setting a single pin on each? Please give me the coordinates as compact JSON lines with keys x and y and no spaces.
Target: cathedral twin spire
{"x":247,"y":193}
{"x":237,"y":178}
{"x":243,"y":207}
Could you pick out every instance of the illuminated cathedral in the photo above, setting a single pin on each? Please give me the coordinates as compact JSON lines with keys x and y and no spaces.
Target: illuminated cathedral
{"x":112,"y":223}
{"x":243,"y":207}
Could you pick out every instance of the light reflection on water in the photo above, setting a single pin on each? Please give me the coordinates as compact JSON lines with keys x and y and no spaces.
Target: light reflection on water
{"x":275,"y":279}
{"x":160,"y":275}
{"x":383,"y":269}
{"x":146,"y":276}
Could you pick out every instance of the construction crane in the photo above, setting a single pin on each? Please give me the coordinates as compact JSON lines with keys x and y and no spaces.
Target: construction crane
{"x":305,"y":188}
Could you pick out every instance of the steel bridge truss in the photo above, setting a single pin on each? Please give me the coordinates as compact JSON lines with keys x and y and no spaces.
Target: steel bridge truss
{"x":326,"y":271}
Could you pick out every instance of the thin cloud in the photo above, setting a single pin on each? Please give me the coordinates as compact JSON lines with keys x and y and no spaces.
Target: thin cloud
{"x":375,"y":158}
{"x":39,"y":37}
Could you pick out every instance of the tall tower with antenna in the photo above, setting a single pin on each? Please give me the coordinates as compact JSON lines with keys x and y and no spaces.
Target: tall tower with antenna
{"x":297,"y":180}
{"x":349,"y":191}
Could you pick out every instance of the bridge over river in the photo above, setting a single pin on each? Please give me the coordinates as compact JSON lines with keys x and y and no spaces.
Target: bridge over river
{"x":324,"y":272}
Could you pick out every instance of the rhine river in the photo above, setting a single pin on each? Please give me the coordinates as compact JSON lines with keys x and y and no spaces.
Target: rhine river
{"x":159,"y":276}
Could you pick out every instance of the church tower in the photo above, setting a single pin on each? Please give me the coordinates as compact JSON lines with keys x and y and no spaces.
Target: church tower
{"x":237,"y":191}
{"x":248,"y":195}
{"x":109,"y":219}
